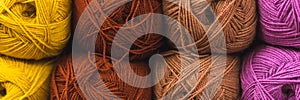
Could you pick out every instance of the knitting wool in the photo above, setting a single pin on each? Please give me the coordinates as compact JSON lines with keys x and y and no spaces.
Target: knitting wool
{"x":280,"y":22}
{"x":88,"y":32}
{"x":271,"y":73}
{"x":24,"y":80}
{"x":237,"y":19}
{"x":64,"y":84}
{"x":193,"y":87}
{"x":34,"y":29}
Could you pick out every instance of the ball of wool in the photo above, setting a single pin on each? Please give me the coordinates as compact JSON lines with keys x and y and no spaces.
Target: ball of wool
{"x":229,"y":87}
{"x":270,"y":72}
{"x":280,"y":22}
{"x":20,"y":79}
{"x":237,"y":20}
{"x":64,"y":84}
{"x":34,"y":29}
{"x":142,"y":48}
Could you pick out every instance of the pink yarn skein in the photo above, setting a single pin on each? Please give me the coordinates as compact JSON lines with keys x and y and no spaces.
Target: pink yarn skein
{"x":270,"y":73}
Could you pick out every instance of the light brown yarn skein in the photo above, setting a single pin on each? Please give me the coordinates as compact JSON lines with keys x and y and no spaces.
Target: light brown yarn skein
{"x":229,"y":87}
{"x":237,"y":20}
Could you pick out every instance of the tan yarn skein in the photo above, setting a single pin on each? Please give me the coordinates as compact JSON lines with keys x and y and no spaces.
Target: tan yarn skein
{"x":229,"y":87}
{"x":34,"y":29}
{"x":236,"y":17}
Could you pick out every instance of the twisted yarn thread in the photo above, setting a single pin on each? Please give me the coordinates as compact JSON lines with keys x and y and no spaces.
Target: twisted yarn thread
{"x":64,"y":83}
{"x":34,"y":29}
{"x":229,"y":86}
{"x":271,"y":73}
{"x":237,"y":18}
{"x":142,"y":48}
{"x":20,"y":79}
{"x":280,"y":22}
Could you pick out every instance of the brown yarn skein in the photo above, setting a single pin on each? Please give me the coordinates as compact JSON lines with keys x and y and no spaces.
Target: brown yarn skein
{"x":237,"y":20}
{"x":65,"y":87}
{"x":229,"y":87}
{"x":142,"y":48}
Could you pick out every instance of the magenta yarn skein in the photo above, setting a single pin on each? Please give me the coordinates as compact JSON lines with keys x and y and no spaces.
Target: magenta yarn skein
{"x":271,"y":73}
{"x":280,"y":22}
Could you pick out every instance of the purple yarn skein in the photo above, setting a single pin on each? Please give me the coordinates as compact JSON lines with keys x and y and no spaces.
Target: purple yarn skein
{"x":280,"y":22}
{"x":271,"y":73}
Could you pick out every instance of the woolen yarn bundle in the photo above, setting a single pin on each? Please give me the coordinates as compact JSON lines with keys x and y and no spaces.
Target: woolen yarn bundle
{"x":64,"y":84}
{"x":229,"y":84}
{"x":237,"y":19}
{"x":142,"y":48}
{"x":34,"y":29}
{"x":271,"y":73}
{"x":280,"y":22}
{"x":21,"y":79}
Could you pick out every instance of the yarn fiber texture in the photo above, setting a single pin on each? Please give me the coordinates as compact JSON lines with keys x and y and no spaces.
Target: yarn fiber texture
{"x":271,"y":73}
{"x":20,"y":79}
{"x":64,"y":84}
{"x":34,"y":29}
{"x":229,"y":87}
{"x":280,"y":22}
{"x":237,"y":20}
{"x":142,"y":48}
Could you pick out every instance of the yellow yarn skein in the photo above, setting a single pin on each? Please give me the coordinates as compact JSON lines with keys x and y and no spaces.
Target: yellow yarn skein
{"x":21,"y":79}
{"x":34,"y":29}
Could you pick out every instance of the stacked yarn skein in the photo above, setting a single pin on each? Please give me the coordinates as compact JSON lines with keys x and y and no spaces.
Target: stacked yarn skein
{"x":237,"y":23}
{"x":32,"y":33}
{"x":271,"y":73}
{"x":21,"y":79}
{"x":34,"y":29}
{"x":237,"y":19}
{"x":87,"y":30}
{"x":199,"y":79}
{"x":65,"y":85}
{"x":280,"y":22}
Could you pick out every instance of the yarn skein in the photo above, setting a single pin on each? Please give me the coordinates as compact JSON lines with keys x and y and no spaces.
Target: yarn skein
{"x":228,"y":89}
{"x":271,"y":73}
{"x":34,"y":29}
{"x":142,"y":48}
{"x":237,"y":20}
{"x":64,"y":84}
{"x":280,"y":22}
{"x":20,"y":79}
